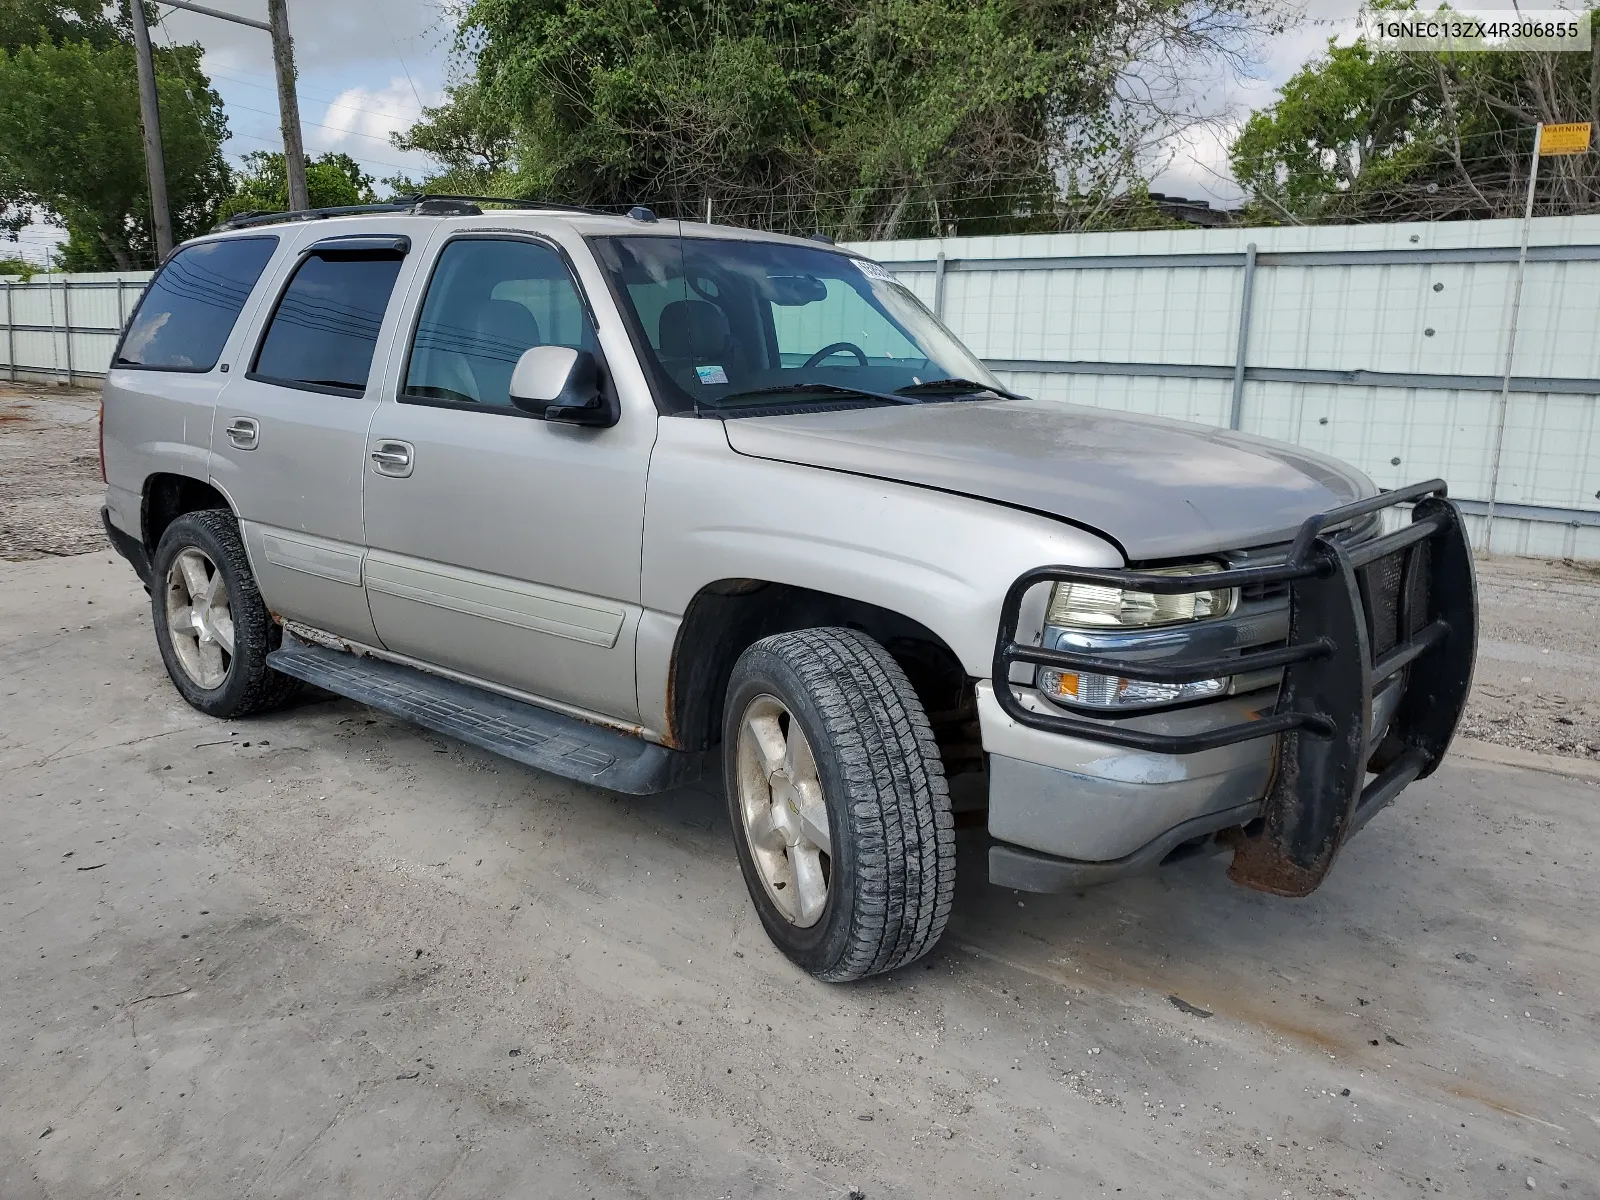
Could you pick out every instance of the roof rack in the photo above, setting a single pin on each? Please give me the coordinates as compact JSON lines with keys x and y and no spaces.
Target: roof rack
{"x":421,"y":204}
{"x":245,"y":220}
{"x":510,"y":201}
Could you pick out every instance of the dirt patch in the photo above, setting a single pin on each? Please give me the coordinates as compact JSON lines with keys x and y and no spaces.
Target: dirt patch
{"x":50,"y":488}
{"x":1537,"y":685}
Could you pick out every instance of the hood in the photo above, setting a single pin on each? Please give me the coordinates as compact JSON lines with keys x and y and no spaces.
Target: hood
{"x":1160,"y":489}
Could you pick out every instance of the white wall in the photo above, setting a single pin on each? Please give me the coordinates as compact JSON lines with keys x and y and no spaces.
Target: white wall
{"x":1387,"y":341}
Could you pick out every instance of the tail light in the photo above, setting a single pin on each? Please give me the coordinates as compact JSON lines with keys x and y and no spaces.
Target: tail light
{"x":103,"y":478}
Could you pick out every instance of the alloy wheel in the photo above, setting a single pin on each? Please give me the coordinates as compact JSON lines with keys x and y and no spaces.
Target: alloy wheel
{"x":198,"y":618}
{"x":785,"y":816}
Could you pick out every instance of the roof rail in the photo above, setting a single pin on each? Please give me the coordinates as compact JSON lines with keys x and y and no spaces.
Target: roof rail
{"x":512,"y":202}
{"x":245,"y":220}
{"x":421,"y":204}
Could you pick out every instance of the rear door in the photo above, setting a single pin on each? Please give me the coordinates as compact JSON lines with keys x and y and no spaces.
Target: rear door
{"x":290,"y":434}
{"x":173,"y":362}
{"x":503,"y":546}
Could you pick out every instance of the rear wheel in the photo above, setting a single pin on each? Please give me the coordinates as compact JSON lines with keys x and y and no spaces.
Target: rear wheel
{"x":211,"y":625}
{"x":838,"y":802}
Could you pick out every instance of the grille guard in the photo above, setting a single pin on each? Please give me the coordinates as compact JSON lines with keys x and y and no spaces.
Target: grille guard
{"x":1319,"y":794}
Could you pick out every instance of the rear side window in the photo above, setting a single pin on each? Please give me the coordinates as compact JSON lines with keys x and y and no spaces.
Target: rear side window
{"x":191,"y":305}
{"x":322,"y":336}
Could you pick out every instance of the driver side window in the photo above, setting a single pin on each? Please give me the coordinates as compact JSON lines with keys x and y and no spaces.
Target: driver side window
{"x":843,"y":316}
{"x":490,"y":299}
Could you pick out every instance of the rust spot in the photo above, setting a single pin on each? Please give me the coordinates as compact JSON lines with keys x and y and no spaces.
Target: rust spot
{"x":1260,"y":861}
{"x":1462,"y":1091}
{"x":669,"y":735}
{"x":1219,"y":1001}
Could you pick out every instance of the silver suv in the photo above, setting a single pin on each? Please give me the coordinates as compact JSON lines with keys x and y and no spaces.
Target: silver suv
{"x":618,"y":497}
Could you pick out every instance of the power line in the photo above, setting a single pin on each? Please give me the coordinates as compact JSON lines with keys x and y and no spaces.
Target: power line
{"x":331,"y":102}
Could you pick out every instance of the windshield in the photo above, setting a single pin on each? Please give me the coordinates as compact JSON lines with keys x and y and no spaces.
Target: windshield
{"x":730,"y":325}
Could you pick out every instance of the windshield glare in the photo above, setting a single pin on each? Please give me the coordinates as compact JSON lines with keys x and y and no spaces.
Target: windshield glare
{"x":722,"y":318}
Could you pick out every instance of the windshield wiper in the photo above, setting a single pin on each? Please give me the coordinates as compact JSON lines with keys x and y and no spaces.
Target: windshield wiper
{"x":955,"y":387}
{"x":785,"y":389}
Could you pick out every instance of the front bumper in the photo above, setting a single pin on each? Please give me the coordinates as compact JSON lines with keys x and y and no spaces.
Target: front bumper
{"x":1376,"y":669}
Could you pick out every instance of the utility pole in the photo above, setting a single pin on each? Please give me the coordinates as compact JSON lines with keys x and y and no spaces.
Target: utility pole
{"x":294,"y":151}
{"x":150,"y":118}
{"x":277,"y":24}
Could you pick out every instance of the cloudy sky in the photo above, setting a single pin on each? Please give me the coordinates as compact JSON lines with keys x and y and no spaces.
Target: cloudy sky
{"x":368,"y":66}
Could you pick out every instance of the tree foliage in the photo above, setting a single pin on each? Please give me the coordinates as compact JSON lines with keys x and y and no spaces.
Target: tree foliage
{"x":470,"y":136}
{"x":261,"y":183}
{"x":1361,"y":134}
{"x":860,"y":117}
{"x":71,"y":147}
{"x":28,"y":22}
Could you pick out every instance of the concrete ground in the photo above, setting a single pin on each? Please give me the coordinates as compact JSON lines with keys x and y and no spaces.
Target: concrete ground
{"x":323,"y":954}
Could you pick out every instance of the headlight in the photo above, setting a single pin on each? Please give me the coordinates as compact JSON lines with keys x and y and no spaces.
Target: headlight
{"x":1098,"y":607}
{"x":1095,"y":606}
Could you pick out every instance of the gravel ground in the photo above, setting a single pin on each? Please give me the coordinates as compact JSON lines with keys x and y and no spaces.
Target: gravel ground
{"x":323,"y":954}
{"x":50,"y":488}
{"x":1538,"y":676}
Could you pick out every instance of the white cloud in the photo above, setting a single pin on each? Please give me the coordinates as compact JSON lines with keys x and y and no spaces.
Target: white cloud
{"x":359,"y":120}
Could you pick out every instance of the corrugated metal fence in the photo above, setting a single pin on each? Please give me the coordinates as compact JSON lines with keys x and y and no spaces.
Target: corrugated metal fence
{"x":64,"y":327}
{"x":1383,"y":345}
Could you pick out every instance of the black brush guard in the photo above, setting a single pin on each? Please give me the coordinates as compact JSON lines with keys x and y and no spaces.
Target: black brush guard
{"x":1404,"y":604}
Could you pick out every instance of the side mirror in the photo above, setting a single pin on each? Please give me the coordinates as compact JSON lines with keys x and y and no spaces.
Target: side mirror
{"x":560,"y":383}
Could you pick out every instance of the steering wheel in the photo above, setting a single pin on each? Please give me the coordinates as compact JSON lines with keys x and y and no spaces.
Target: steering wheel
{"x":837,"y":348}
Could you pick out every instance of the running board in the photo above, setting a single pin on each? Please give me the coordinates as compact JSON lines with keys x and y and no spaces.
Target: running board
{"x":537,"y":737}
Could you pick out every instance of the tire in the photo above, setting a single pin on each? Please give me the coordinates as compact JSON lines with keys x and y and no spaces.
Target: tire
{"x":888,"y":870}
{"x":245,"y":684}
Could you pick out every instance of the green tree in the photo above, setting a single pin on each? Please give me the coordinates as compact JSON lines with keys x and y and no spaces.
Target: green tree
{"x":28,"y":22}
{"x":11,"y":265}
{"x":71,"y":148}
{"x":261,"y":183}
{"x":1362,"y":134}
{"x":862,"y":117}
{"x":469,"y":136}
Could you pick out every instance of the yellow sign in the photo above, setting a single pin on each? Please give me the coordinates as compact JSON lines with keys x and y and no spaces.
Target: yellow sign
{"x":1564,"y":139}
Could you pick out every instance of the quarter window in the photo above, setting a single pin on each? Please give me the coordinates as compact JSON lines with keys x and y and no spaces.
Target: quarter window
{"x":325,"y":329}
{"x":191,"y":306}
{"x":490,"y":300}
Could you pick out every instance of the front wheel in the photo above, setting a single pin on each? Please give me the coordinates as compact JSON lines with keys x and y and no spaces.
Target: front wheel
{"x":839,"y":803}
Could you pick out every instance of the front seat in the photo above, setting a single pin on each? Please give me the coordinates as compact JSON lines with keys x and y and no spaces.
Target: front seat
{"x":500,"y":331}
{"x":695,"y":333}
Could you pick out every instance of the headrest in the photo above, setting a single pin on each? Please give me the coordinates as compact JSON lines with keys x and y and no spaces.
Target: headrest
{"x":693,"y":329}
{"x":502,"y":329}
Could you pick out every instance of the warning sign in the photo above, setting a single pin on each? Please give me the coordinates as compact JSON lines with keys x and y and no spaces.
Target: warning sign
{"x":1564,"y":139}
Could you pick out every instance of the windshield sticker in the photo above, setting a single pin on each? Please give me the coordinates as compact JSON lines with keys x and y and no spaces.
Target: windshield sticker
{"x":873,"y":270}
{"x":710,"y":375}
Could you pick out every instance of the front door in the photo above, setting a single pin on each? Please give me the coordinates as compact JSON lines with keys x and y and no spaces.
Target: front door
{"x":290,"y":433}
{"x":499,"y":545}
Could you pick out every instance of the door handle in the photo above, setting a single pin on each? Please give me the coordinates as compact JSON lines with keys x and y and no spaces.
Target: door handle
{"x":244,"y":433}
{"x":393,"y":458}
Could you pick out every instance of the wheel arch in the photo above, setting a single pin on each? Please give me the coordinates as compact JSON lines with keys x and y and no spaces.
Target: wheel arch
{"x":727,"y":616}
{"x":168,"y":495}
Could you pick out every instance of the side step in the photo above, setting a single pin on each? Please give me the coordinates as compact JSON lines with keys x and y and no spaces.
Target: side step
{"x":537,"y":737}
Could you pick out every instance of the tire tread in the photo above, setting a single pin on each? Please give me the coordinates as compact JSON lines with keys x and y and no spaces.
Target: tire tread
{"x":265,"y":689}
{"x":905,"y":835}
